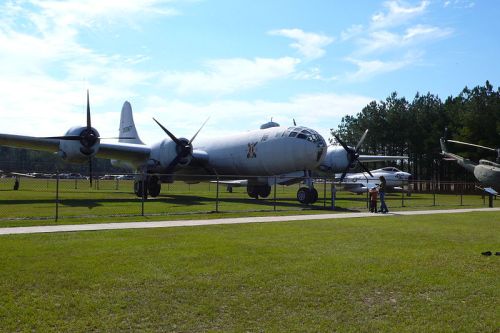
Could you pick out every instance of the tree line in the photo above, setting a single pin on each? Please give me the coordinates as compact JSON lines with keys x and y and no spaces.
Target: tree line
{"x":400,"y":127}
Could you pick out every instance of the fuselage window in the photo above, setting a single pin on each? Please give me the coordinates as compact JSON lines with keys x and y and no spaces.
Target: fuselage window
{"x":264,"y":138}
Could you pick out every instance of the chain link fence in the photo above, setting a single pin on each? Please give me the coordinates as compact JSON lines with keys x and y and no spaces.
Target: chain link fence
{"x":58,"y":196}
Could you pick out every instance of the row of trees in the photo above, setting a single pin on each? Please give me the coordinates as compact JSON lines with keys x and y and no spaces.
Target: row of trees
{"x":400,"y":127}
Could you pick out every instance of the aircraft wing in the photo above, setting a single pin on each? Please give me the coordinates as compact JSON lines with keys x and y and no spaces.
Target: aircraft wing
{"x":232,"y":183}
{"x":124,"y":151}
{"x":29,"y":142}
{"x":118,"y":151}
{"x":380,"y":158}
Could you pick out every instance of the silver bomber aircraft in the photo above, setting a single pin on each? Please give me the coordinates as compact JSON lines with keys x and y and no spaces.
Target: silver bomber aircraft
{"x":273,"y":153}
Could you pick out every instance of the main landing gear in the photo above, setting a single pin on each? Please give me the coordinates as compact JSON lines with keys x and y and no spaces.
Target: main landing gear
{"x":256,"y":191}
{"x":151,"y":185}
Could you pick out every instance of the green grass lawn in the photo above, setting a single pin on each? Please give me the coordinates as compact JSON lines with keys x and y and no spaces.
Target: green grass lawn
{"x":34,"y":203}
{"x":399,"y":274}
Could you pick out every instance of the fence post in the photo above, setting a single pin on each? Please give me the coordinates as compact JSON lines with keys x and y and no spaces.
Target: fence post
{"x":434,"y":194}
{"x":461,"y":194}
{"x":143,"y":193}
{"x":324,"y":193}
{"x":402,"y":194}
{"x":217,"y":196}
{"x":57,"y":197}
{"x":274,"y":199}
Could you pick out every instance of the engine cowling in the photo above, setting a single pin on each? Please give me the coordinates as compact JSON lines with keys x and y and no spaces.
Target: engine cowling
{"x":335,"y":159}
{"x":163,"y":153}
{"x":79,"y":151}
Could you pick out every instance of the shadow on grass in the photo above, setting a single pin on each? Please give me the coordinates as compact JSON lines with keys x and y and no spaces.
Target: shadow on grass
{"x":175,"y":199}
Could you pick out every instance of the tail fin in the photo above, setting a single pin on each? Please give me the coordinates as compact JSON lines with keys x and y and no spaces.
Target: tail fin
{"x":127,"y":126}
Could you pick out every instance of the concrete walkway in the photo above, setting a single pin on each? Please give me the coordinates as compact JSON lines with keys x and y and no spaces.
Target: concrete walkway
{"x":191,"y":223}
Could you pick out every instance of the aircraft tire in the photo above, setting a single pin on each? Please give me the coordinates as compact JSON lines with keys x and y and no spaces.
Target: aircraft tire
{"x":138,"y":188}
{"x":264,"y":191}
{"x":304,"y":195}
{"x":154,"y":186}
{"x":313,"y":195}
{"x":253,"y":191}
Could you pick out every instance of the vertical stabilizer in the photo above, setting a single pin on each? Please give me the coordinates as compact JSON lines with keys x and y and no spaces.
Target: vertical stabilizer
{"x":127,"y":126}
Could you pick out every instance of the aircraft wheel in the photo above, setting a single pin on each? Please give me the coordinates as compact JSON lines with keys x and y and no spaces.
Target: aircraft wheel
{"x":303,"y":195}
{"x":264,"y":191}
{"x":154,"y":186}
{"x":138,"y":188}
{"x":253,"y":191}
{"x":313,"y":195}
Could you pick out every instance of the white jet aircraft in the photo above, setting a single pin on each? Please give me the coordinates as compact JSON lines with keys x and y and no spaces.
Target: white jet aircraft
{"x":362,"y":182}
{"x":287,"y":155}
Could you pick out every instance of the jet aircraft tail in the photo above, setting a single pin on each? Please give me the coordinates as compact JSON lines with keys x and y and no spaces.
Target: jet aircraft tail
{"x":127,"y":126}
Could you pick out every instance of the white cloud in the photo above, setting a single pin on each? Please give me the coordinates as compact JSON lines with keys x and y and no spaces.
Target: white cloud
{"x":367,"y":69}
{"x":352,"y":31}
{"x":459,"y":4}
{"x":382,"y":40}
{"x":310,"y":45}
{"x":398,"y":13}
{"x":225,"y":76}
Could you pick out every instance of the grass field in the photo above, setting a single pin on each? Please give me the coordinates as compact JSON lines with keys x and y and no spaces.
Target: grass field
{"x":34,"y":203}
{"x":399,"y":274}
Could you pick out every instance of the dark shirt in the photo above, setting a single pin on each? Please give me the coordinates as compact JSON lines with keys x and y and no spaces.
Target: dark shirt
{"x":382,"y":186}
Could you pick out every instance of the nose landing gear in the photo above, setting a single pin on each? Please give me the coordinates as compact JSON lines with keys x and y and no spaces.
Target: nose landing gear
{"x":306,"y":195}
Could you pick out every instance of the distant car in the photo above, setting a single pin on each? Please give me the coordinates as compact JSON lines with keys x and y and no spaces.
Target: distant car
{"x":126,"y":177}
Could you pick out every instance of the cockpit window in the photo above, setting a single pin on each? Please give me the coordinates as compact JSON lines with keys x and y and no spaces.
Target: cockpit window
{"x":304,"y":133}
{"x":391,"y":169}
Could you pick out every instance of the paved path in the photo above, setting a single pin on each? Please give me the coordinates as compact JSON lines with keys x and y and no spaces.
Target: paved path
{"x":239,"y":220}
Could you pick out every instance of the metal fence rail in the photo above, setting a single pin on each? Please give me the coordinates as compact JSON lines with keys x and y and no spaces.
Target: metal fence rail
{"x":58,"y":196}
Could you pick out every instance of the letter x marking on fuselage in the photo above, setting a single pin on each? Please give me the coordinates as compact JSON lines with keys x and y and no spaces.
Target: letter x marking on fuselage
{"x":252,"y":153}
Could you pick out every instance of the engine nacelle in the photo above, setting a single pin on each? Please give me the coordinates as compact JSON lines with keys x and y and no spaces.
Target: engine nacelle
{"x":79,"y":150}
{"x":164,"y":152}
{"x":335,"y":160}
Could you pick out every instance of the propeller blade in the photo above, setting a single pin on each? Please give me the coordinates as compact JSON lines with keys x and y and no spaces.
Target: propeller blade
{"x":64,"y":137}
{"x":90,"y":170}
{"x":88,"y":112}
{"x":172,"y":164}
{"x":360,"y":142}
{"x":365,"y":168}
{"x":347,"y":149}
{"x":343,"y":174}
{"x":168,"y":133}
{"x":471,"y":144}
{"x":118,"y":138}
{"x":194,"y":136}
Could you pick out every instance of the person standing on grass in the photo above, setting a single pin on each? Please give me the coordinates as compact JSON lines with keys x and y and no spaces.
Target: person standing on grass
{"x":381,"y":191}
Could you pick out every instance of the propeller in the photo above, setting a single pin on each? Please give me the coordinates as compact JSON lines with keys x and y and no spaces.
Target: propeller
{"x":183,"y":148}
{"x":352,"y":154}
{"x":88,"y":138}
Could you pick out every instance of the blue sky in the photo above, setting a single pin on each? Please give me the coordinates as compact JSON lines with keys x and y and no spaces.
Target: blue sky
{"x":239,"y":62}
